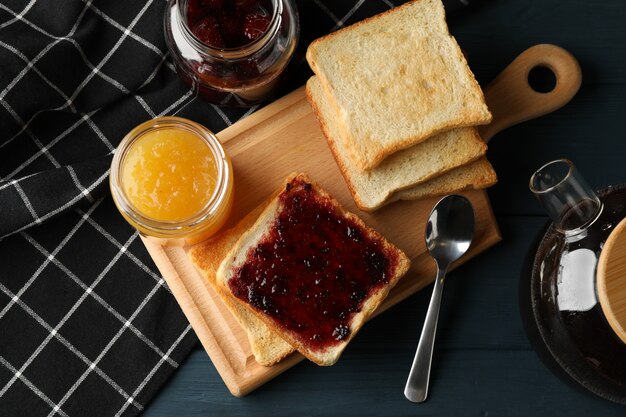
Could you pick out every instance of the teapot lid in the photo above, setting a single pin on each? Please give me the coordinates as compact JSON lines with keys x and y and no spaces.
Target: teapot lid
{"x":611,"y":280}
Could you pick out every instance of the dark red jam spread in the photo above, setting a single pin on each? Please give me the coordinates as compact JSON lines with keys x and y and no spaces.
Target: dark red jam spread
{"x":313,"y":269}
{"x":229,"y":23}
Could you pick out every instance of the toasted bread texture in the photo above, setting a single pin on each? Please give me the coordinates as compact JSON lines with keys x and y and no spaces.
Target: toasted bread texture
{"x":395,"y":80}
{"x":267,"y":346}
{"x":295,"y":315}
{"x":473,"y":176}
{"x":402,"y":170}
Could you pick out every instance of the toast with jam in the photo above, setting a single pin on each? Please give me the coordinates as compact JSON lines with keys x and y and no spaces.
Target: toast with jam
{"x":267,"y":346}
{"x":312,"y":272}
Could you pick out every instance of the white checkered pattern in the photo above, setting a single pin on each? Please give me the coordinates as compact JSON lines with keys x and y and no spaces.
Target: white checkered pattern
{"x":91,"y":327}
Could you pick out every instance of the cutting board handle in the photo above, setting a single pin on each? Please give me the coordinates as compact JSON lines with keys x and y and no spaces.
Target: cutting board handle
{"x":512,"y":100}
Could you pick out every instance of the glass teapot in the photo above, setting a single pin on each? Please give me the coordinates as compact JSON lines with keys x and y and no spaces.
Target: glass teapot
{"x":563,"y":290}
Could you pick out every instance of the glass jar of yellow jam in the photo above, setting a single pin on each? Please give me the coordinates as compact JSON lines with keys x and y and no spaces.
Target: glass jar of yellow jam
{"x":171,"y":180}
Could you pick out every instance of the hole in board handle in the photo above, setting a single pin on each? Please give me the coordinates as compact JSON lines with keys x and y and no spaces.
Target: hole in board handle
{"x":542,"y":79}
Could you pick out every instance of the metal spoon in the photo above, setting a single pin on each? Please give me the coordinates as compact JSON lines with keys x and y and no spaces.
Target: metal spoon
{"x":449,"y":233}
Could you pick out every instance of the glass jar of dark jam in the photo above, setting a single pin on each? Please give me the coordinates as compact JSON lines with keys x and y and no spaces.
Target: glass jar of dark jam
{"x":231,"y":51}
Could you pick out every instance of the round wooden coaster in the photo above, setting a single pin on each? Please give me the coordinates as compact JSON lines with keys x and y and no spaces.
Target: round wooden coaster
{"x":612,"y":280}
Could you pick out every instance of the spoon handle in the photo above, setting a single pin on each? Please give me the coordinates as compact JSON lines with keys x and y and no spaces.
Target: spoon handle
{"x":416,"y":388}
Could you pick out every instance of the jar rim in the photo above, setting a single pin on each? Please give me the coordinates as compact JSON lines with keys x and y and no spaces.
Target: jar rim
{"x":162,"y":227}
{"x":230,"y":53}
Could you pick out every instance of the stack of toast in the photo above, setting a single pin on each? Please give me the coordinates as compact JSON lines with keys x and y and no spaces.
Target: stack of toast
{"x":398,"y":104}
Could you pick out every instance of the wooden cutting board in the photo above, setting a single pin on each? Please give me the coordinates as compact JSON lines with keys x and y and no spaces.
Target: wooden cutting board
{"x":285,"y":137}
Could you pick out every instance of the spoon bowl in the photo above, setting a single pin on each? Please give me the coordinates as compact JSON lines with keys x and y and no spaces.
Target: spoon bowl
{"x":449,"y":233}
{"x":450,"y":229}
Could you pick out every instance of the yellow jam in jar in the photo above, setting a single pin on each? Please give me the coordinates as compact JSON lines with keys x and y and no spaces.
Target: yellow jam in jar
{"x":169,"y":174}
{"x":171,"y":180}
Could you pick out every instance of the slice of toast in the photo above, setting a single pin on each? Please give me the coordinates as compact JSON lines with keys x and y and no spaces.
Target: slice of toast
{"x":310,"y":270}
{"x":402,"y":170}
{"x":267,"y":346}
{"x":395,"y":80}
{"x":474,"y":176}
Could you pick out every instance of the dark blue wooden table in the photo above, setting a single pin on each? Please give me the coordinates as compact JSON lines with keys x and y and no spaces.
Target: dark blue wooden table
{"x":484,"y":364}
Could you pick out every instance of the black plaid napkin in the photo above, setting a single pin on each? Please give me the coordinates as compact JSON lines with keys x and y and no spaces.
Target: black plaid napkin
{"x":87,"y":325}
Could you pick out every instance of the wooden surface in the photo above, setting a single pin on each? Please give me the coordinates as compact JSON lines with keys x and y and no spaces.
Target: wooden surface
{"x":266,"y":147}
{"x":512,"y":100}
{"x":484,"y":364}
{"x":611,"y":280}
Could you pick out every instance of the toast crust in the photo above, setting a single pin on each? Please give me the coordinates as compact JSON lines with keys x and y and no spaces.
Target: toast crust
{"x":475,"y":176}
